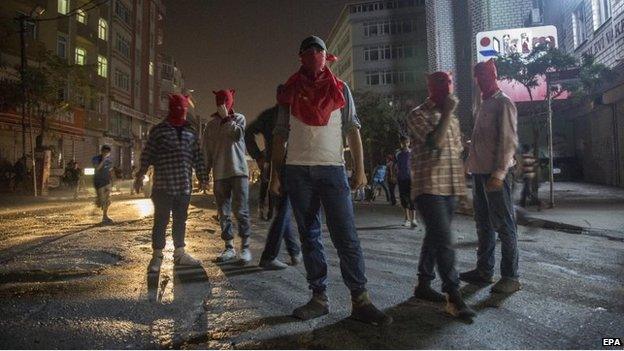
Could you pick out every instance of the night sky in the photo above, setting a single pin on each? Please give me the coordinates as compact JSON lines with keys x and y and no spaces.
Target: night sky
{"x":247,"y":45}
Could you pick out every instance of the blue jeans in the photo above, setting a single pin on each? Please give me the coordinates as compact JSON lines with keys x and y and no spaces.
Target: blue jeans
{"x":280,"y":229}
{"x":493,"y":212}
{"x":309,"y":187}
{"x":166,"y":205}
{"x":233,"y":194}
{"x":437,"y":248}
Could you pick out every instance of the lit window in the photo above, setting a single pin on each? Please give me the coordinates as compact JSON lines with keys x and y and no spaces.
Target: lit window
{"x":151,"y":68}
{"x":81,"y":56}
{"x":102,"y":66}
{"x":578,"y":25}
{"x":63,"y":6}
{"x":103,"y":29}
{"x":602,"y":12}
{"x":81,"y":16}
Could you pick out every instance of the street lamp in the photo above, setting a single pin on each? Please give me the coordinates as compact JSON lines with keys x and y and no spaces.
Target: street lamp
{"x":23,"y":18}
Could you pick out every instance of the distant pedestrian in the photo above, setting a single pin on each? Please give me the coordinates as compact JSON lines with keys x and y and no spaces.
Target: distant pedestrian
{"x":494,"y":143}
{"x":379,"y":181}
{"x":392,"y":178}
{"x":72,"y":177}
{"x":280,"y":228}
{"x":437,"y":181}
{"x":316,"y":111}
{"x":103,"y":165}
{"x":528,"y":166}
{"x":224,"y":147}
{"x":19,"y":174}
{"x":404,"y":179}
{"x":173,"y":150}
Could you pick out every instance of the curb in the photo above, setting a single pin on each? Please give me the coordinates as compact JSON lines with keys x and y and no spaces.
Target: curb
{"x":529,"y":221}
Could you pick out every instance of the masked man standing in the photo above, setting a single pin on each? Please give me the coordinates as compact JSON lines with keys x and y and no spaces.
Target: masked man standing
{"x":494,"y":143}
{"x":224,"y":147}
{"x":173,"y":149}
{"x":437,"y":180}
{"x":316,"y":112}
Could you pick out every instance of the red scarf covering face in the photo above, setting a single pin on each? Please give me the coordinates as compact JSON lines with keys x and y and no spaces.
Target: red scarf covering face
{"x":178,"y":107}
{"x":440,"y":86}
{"x":225,"y":97}
{"x":486,"y":75}
{"x":314,"y":92}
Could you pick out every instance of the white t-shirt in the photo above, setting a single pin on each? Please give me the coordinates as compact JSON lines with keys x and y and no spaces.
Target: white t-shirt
{"x":317,"y":145}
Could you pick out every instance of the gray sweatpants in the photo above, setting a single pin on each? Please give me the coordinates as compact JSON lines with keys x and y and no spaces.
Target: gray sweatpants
{"x":232,"y":194}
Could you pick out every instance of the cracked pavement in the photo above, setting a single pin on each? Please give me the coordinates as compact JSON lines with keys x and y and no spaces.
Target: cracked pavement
{"x":66,"y":282}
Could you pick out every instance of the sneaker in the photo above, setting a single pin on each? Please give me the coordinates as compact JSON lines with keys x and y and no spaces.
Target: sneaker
{"x":245,"y":255}
{"x":414,"y":224}
{"x":273,"y":265}
{"x":155,"y":263}
{"x":317,"y":306}
{"x":476,"y":277}
{"x":364,"y":311}
{"x":506,"y":286}
{"x":296,"y":259}
{"x":408,"y":223}
{"x":455,"y":306}
{"x":182,"y":258}
{"x":227,"y":255}
{"x":427,"y":293}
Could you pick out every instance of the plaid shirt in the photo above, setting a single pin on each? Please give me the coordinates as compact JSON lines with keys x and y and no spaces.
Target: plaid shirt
{"x":173,"y":159}
{"x":435,"y":171}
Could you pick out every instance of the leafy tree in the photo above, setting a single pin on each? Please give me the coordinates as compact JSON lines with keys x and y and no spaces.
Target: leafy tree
{"x":529,"y":70}
{"x":382,"y":123}
{"x":46,"y":81}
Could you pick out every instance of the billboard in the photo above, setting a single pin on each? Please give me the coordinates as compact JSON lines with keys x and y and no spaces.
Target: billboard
{"x":492,"y":44}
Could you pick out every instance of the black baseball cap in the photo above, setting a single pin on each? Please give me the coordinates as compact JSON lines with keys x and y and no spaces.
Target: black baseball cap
{"x":312,"y":41}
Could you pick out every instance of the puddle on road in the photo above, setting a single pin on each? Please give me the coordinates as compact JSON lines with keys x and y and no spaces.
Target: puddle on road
{"x":58,"y":267}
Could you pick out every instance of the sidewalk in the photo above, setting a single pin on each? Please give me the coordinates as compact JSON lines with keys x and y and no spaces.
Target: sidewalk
{"x":581,"y":208}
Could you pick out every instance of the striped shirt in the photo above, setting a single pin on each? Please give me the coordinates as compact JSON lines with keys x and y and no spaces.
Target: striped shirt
{"x":435,"y":171}
{"x":173,"y":153}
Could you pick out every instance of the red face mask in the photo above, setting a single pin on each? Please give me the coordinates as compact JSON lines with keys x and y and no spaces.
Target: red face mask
{"x":314,"y":92}
{"x":178,"y":107}
{"x":486,"y":75}
{"x":440,"y":86}
{"x":225,"y":97}
{"x":313,"y":61}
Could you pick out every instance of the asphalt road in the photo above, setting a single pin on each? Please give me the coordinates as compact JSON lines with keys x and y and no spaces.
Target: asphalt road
{"x":66,"y":282}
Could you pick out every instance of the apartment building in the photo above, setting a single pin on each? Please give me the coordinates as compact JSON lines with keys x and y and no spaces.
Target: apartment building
{"x":121,"y":42}
{"x":381,"y":47}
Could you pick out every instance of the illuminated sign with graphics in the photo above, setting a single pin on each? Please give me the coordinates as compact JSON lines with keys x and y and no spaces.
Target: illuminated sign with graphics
{"x":504,"y":42}
{"x":518,"y":40}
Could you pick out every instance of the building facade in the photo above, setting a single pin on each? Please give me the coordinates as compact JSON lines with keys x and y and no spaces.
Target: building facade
{"x":381,"y":47}
{"x":120,"y":42}
{"x":593,"y":134}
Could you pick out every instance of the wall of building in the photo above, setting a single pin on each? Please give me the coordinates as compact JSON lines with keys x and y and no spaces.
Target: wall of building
{"x":397,"y":36}
{"x":599,"y":142}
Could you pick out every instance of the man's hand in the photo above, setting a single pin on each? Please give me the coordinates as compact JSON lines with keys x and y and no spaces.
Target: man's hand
{"x":358,"y":180}
{"x":138,"y":184}
{"x":275,"y":186}
{"x":494,"y":184}
{"x":450,"y":103}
